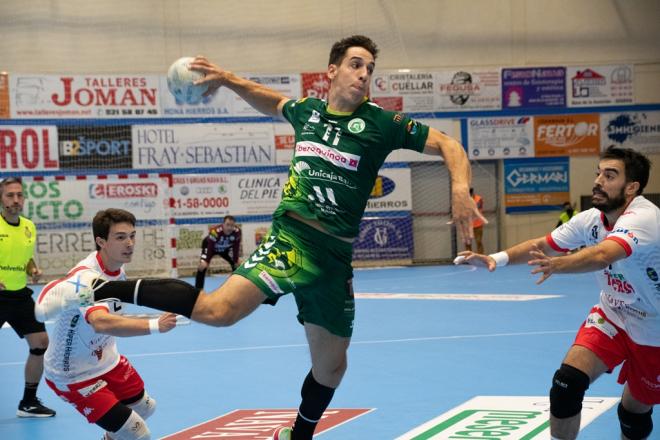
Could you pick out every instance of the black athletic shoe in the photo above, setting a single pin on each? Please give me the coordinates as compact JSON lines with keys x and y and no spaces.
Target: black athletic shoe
{"x":33,"y":408}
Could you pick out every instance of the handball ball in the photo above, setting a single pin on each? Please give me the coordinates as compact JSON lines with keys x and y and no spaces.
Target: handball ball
{"x":180,"y":82}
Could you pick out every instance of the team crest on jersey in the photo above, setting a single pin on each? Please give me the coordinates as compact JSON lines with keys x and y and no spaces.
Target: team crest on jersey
{"x":315,"y":118}
{"x":28,"y":234}
{"x":412,"y":127}
{"x":356,"y":125}
{"x":397,"y":118}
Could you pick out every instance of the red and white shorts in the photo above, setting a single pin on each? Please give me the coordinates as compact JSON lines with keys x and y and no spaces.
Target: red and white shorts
{"x":641,"y":363}
{"x":94,"y":397}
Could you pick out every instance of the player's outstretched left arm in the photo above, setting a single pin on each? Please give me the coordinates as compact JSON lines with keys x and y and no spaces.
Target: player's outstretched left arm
{"x":116,"y":325}
{"x":516,"y":254}
{"x":463,"y":207}
{"x":260,"y":97}
{"x":589,"y":259}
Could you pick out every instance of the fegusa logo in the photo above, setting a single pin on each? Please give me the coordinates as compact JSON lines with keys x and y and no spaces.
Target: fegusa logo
{"x":122,"y":190}
{"x":336,"y":157}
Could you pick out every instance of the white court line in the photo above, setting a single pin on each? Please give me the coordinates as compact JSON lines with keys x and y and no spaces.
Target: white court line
{"x":463,"y":268}
{"x":382,"y":341}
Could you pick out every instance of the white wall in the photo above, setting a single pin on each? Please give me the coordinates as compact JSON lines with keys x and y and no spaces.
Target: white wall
{"x":144,"y":36}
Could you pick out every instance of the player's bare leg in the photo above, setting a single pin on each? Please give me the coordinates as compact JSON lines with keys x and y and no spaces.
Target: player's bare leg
{"x":329,"y":364}
{"x":235,"y":299}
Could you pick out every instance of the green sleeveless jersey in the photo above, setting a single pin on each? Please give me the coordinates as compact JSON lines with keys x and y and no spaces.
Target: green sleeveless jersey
{"x":16,"y":248}
{"x":337,"y":158}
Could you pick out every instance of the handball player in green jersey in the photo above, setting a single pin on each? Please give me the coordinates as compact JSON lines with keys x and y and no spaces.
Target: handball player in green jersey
{"x":340,"y":145}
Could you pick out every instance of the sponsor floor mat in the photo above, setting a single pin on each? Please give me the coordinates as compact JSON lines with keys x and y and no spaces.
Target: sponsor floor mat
{"x":502,"y":417}
{"x":259,"y":424}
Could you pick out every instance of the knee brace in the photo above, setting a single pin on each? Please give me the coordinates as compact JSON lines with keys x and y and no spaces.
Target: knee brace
{"x":633,"y":425}
{"x":37,"y":351}
{"x":145,"y":407}
{"x":567,"y":392}
{"x":135,"y":428}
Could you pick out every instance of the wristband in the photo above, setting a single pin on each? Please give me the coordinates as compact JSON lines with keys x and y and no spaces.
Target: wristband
{"x":153,"y":326}
{"x":501,"y":258}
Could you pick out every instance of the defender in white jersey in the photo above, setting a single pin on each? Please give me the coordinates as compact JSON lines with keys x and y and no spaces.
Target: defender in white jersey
{"x":622,"y":238}
{"x":82,"y":364}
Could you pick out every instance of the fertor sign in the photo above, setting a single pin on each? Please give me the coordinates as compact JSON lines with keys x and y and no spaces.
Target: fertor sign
{"x":567,"y":135}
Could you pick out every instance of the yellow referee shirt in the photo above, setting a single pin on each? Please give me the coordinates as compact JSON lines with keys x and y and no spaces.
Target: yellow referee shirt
{"x":16,"y":249}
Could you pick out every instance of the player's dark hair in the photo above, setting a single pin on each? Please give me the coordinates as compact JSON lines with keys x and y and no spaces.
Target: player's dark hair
{"x":104,"y":219}
{"x":339,"y":49}
{"x":637,"y":166}
{"x":229,"y":217}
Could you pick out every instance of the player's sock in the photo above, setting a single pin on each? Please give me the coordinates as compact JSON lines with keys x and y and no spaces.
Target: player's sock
{"x":315,"y":399}
{"x":199,"y":279}
{"x":168,"y":295}
{"x":30,"y":391}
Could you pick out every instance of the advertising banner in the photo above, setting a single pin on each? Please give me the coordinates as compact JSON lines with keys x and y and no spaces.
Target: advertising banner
{"x":384,"y":238}
{"x":534,"y":87}
{"x":315,"y":84}
{"x":637,"y":130}
{"x":567,"y":135}
{"x":600,"y":85}
{"x":84,"y":96}
{"x":58,"y":249}
{"x":403,"y":91}
{"x":451,"y":127}
{"x":224,"y":102}
{"x":203,"y":145}
{"x":63,"y":208}
{"x":500,"y":138}
{"x":256,"y":193}
{"x":4,"y":95}
{"x":253,"y":233}
{"x":28,"y":148}
{"x":468,"y":89}
{"x":189,"y":244}
{"x":76,"y":199}
{"x":536,"y":184}
{"x":285,"y":142}
{"x":201,"y":195}
{"x":95,"y":147}
{"x":391,"y":192}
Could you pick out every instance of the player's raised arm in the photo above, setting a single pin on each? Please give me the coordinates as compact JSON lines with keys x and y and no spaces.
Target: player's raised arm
{"x":463,"y":208}
{"x":260,"y":97}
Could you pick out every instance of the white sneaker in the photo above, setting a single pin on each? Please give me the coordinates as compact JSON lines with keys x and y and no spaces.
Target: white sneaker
{"x":74,"y":290}
{"x":282,"y":433}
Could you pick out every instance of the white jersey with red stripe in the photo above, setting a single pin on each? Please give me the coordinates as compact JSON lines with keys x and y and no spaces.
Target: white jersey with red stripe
{"x":76,"y":352}
{"x":630,"y":287}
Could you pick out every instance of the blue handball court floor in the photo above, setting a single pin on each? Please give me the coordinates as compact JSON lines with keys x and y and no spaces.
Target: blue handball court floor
{"x":438,"y":352}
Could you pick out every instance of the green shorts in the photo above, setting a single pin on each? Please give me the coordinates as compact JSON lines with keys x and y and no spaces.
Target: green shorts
{"x":315,"y":267}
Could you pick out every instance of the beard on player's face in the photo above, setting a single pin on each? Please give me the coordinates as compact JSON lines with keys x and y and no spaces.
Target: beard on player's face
{"x":606,"y":203}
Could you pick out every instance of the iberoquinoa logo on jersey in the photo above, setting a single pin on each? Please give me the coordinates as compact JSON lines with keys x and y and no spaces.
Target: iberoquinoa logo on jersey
{"x":335,"y":157}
